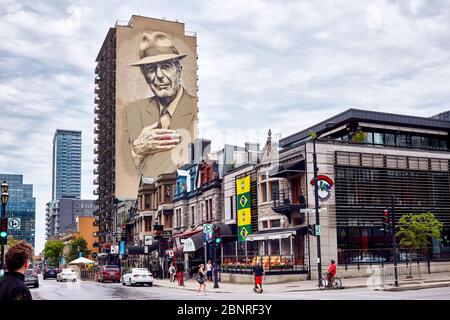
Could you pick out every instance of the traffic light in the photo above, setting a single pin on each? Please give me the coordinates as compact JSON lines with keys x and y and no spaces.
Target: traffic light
{"x":4,"y":231}
{"x":386,"y":223}
{"x":217,"y":238}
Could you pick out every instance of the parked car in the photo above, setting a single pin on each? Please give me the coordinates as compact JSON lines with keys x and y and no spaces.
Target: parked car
{"x":67,"y":275}
{"x":368,"y":258}
{"x":405,"y":256}
{"x":50,"y":272}
{"x":137,"y":276}
{"x":31,"y":278}
{"x":109,"y":273}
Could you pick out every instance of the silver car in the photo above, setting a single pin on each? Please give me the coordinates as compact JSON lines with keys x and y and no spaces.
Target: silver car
{"x":31,"y":278}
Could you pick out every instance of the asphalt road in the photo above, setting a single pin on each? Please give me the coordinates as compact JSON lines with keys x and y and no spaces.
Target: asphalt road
{"x":89,"y":290}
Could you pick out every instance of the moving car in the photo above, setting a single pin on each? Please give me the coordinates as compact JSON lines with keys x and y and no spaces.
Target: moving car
{"x":371,"y":259}
{"x":31,"y":278}
{"x":137,"y":276}
{"x":109,"y":273}
{"x":67,"y":275}
{"x":50,"y":272}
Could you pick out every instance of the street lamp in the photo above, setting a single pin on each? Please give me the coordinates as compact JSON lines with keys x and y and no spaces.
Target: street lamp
{"x":315,"y":137}
{"x":4,"y":199}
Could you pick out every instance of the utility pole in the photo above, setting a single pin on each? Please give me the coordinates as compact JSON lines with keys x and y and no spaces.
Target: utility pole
{"x":394,"y":240}
{"x":316,"y":204}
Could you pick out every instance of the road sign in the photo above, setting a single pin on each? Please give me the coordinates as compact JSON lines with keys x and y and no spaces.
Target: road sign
{"x":122,"y":248}
{"x":14,"y":223}
{"x":148,"y":240}
{"x":317,"y":229}
{"x":167,"y":233}
{"x":313,"y":211}
{"x":207,"y":228}
{"x":114,"y":249}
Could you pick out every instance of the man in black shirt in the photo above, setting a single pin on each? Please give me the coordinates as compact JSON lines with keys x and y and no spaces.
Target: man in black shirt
{"x":12,"y":285}
{"x":258,"y":272}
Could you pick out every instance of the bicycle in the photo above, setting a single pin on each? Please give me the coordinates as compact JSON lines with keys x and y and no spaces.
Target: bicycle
{"x":324,"y":283}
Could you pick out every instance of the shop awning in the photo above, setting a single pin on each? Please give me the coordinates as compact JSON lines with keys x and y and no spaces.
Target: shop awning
{"x":141,"y":249}
{"x":273,"y":235}
{"x":198,"y":240}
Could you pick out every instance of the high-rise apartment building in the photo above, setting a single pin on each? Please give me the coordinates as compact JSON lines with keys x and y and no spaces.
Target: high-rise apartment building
{"x":21,"y":205}
{"x":66,"y":176}
{"x":126,"y":102}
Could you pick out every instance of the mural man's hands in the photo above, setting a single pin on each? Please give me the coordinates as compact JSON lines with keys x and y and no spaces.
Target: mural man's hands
{"x":153,"y":140}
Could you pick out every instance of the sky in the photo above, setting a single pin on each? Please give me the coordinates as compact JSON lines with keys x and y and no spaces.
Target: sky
{"x":280,"y":64}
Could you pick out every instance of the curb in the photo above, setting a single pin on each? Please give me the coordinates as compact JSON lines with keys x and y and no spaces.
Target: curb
{"x":419,"y":287}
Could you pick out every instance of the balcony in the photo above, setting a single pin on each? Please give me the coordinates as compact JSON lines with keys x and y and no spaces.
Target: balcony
{"x":96,"y":192}
{"x":282,"y":203}
{"x":97,"y":80}
{"x":96,"y":160}
{"x":96,"y":120}
{"x":97,"y":90}
{"x":96,"y":181}
{"x":96,"y":100}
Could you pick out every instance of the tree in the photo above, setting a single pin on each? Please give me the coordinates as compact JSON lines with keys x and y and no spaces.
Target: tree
{"x":53,"y":251}
{"x":416,"y":230}
{"x":77,"y":246}
{"x":11,"y":241}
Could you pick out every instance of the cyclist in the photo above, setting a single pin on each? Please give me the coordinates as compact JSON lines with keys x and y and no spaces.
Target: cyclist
{"x":331,"y":272}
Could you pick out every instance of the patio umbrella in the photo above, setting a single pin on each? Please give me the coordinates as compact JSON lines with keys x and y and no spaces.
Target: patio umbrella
{"x":81,"y":260}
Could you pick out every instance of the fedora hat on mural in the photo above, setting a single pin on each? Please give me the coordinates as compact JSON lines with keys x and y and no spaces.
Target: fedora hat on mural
{"x":157,"y":47}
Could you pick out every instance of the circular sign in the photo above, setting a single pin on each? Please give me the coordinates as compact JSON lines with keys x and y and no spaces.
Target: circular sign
{"x":14,"y":223}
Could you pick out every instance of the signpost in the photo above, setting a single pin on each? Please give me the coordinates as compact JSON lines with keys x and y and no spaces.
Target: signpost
{"x":148,"y":240}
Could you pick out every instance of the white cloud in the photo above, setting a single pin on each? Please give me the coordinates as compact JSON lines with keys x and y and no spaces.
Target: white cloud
{"x":264,"y":64}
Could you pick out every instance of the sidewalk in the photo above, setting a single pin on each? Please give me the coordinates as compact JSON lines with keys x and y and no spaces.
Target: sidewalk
{"x":427,"y":281}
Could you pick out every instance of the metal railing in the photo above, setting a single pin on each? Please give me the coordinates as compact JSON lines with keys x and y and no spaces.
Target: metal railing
{"x":272,"y":264}
{"x":89,"y":275}
{"x":358,"y":257}
{"x":411,"y":272}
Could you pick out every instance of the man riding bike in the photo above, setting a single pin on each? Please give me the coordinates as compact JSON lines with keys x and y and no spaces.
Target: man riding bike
{"x":331,"y":272}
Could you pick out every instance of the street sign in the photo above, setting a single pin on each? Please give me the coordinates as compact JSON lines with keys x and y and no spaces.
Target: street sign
{"x":146,"y":249}
{"x":14,"y":223}
{"x":207,"y":230}
{"x":148,"y":240}
{"x":313,"y":211}
{"x":114,"y":249}
{"x":167,"y":233}
{"x":317,"y":229}
{"x":122,"y":248}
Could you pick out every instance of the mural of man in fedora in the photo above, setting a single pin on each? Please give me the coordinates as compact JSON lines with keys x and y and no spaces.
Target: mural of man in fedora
{"x":153,"y":124}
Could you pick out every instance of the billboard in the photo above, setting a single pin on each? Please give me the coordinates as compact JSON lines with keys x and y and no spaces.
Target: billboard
{"x":243,"y":197}
{"x":156,"y":100}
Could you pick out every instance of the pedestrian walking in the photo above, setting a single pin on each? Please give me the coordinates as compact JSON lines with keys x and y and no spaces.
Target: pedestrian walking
{"x":209,"y":270}
{"x":258,"y":272}
{"x":201,"y":279}
{"x":172,"y":272}
{"x":180,"y":273}
{"x":12,"y":285}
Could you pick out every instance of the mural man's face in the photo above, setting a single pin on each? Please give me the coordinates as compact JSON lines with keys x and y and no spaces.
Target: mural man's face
{"x":163,"y":78}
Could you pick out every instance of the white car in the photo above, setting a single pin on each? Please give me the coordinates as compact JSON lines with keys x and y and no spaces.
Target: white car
{"x":137,"y":276}
{"x":67,"y":275}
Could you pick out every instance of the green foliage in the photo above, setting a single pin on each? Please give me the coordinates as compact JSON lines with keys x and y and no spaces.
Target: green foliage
{"x":76,"y":246}
{"x":53,"y":250}
{"x":312,"y":134}
{"x":359,"y":136}
{"x":416,"y":230}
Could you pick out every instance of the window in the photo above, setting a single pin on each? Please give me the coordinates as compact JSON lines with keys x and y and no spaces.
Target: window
{"x":275,"y":223}
{"x":168,"y":221}
{"x":389,"y":139}
{"x":265,"y":224}
{"x":148,"y":225}
{"x":401,"y":140}
{"x":193,"y":215}
{"x":231,"y":208}
{"x":147,"y":204}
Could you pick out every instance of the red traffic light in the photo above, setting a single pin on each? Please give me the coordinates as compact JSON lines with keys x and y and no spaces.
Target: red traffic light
{"x":4,"y":224}
{"x":386,"y":213}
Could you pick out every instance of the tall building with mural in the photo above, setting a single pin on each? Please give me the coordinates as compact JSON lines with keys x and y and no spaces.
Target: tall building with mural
{"x":21,"y":206}
{"x":146,"y":108}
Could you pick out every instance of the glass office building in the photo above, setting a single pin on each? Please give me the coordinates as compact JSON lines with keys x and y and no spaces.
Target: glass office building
{"x":66,"y":180}
{"x":21,"y":205}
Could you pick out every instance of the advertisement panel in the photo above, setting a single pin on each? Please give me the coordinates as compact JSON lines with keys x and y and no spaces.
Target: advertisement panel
{"x":156,"y":100}
{"x":243,"y":207}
